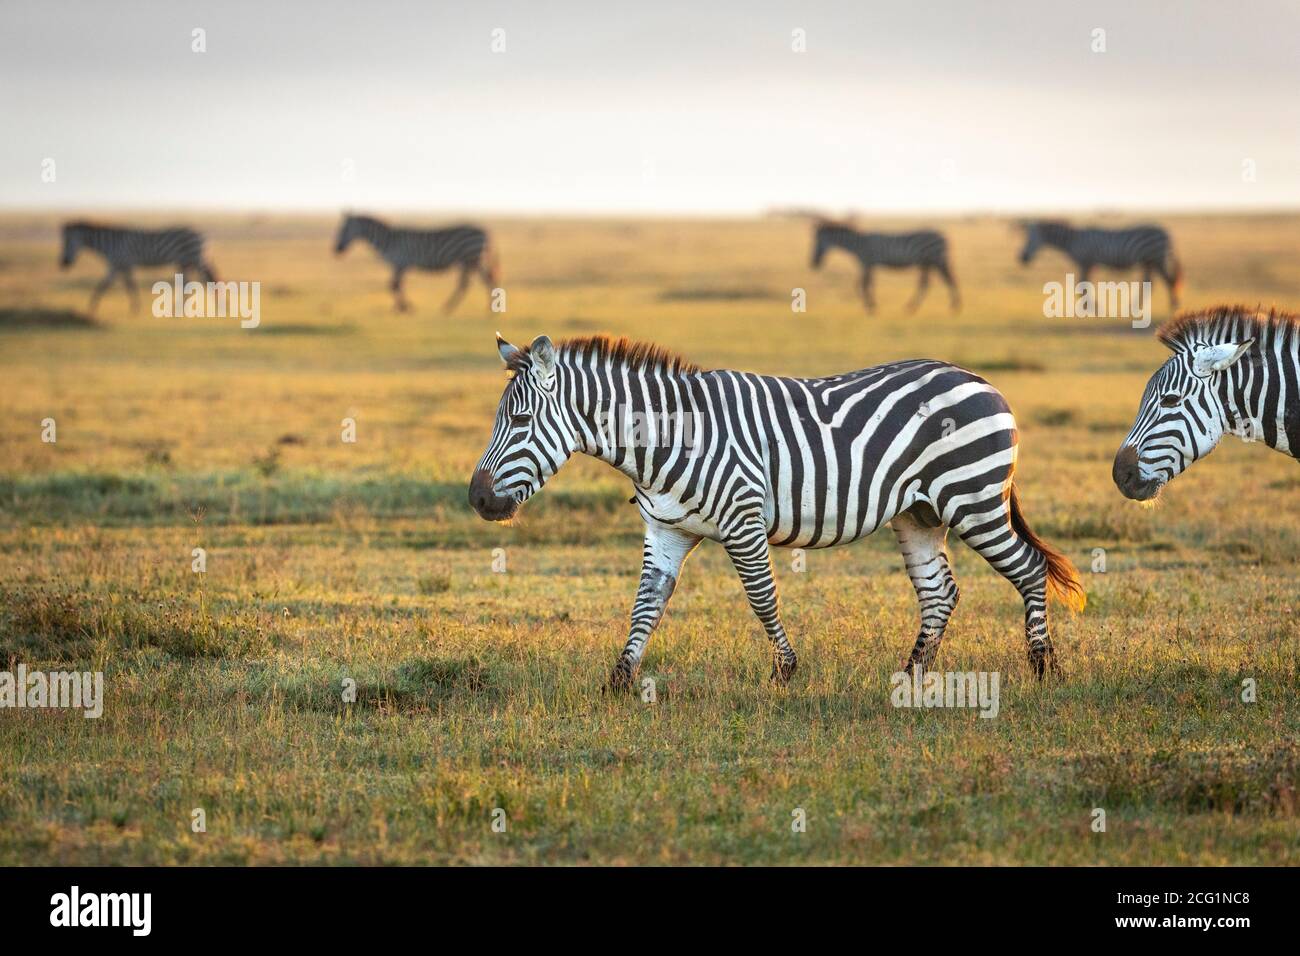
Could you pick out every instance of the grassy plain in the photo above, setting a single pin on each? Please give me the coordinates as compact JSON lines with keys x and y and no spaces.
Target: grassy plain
{"x":478,"y":690}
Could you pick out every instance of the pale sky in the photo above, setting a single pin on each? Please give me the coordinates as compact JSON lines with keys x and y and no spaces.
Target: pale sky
{"x":664,"y":107}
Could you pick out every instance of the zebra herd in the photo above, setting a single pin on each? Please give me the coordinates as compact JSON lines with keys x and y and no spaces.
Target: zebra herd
{"x":469,"y":249}
{"x":774,"y":462}
{"x":466,"y":248}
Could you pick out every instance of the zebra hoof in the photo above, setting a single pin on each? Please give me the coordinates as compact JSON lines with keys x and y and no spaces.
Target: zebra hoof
{"x":1043,"y":662}
{"x":620,"y":679}
{"x":783,"y":670}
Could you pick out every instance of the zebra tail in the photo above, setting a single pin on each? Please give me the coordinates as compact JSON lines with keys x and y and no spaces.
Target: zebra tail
{"x":1178,"y":275}
{"x":1062,"y":579}
{"x":493,"y":266}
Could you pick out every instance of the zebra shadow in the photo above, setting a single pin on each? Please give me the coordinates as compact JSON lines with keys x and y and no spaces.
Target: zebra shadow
{"x":30,"y":318}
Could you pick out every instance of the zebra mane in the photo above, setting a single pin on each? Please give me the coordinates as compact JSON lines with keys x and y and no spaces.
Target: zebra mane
{"x":1226,"y":323}
{"x":1054,"y":228}
{"x":633,"y":354}
{"x":824,"y":224}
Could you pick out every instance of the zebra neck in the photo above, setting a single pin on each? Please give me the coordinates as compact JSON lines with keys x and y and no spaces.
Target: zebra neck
{"x":1256,"y":418}
{"x":622,"y":430}
{"x":1058,"y":237}
{"x":377,"y":234}
{"x":845,"y":239}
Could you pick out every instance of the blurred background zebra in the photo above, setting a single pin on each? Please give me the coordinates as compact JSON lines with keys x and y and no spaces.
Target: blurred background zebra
{"x":1145,"y":246}
{"x":124,"y":249}
{"x":925,"y":250}
{"x":431,"y":250}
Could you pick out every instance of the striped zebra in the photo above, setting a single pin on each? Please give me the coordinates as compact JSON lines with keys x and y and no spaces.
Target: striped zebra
{"x":124,"y":249}
{"x":1234,"y":371}
{"x":431,"y":250}
{"x":925,"y":250}
{"x":1145,"y":246}
{"x":778,"y":462}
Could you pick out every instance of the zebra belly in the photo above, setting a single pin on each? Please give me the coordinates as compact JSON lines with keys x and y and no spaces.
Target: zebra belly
{"x":826,"y":532}
{"x":668,"y":510}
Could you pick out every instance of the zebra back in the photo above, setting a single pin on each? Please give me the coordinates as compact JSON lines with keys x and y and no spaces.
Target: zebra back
{"x":1118,"y":248}
{"x":897,"y":249}
{"x":429,"y":249}
{"x":124,"y":247}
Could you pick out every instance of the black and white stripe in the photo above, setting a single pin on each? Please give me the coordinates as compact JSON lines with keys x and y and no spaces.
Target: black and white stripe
{"x":923,"y":250}
{"x":780,"y":462}
{"x":1233,"y":371}
{"x":124,"y":249}
{"x":465,"y":247}
{"x":1147,"y":247}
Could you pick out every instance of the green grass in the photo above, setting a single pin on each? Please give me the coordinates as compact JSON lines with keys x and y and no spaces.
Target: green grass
{"x":351,"y":681}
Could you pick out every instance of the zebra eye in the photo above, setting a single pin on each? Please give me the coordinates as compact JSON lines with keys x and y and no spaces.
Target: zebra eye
{"x":520,"y":420}
{"x":1170,"y":400}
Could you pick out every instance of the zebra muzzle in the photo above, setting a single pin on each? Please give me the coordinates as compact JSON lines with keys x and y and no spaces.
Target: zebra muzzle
{"x":487,"y":504}
{"x":1128,"y":476}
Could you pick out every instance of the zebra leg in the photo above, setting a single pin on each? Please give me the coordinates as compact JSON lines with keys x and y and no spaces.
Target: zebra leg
{"x":461,"y":285}
{"x":945,"y":271}
{"x":921,"y":288}
{"x":1171,"y":280}
{"x":399,"y":298}
{"x":868,"y":296}
{"x":128,"y":280}
{"x":926,"y":558}
{"x":747,"y":548}
{"x":662,"y":557}
{"x":990,"y":534}
{"x":100,"y":289}
{"x":485,"y":273}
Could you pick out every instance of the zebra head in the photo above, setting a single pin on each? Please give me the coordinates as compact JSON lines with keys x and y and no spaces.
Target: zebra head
{"x":820,"y":245}
{"x":531,"y":437}
{"x":1181,"y":418}
{"x":349,"y":230}
{"x":1033,"y":241}
{"x":74,"y":236}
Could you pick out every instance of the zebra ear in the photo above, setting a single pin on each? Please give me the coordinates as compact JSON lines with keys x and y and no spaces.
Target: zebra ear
{"x":507,"y":350}
{"x":542,"y":352}
{"x":1215,"y":358}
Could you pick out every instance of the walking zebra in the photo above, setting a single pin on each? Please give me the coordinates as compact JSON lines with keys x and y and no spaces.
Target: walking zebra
{"x":467,"y":247}
{"x":124,"y":249}
{"x":1145,"y":246}
{"x":927,"y":250}
{"x":757,"y":461}
{"x":1233,"y":371}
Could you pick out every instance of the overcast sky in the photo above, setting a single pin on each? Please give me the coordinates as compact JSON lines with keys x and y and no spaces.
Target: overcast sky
{"x":659,"y":107}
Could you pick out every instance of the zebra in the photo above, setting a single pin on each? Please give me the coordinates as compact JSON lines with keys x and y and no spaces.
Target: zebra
{"x":1145,"y":246}
{"x":124,"y":249}
{"x":779,"y":462}
{"x":1234,"y":371}
{"x":927,"y":250}
{"x":467,"y":247}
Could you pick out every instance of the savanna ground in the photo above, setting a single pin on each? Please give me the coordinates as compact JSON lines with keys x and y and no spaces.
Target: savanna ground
{"x":478,"y":690}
